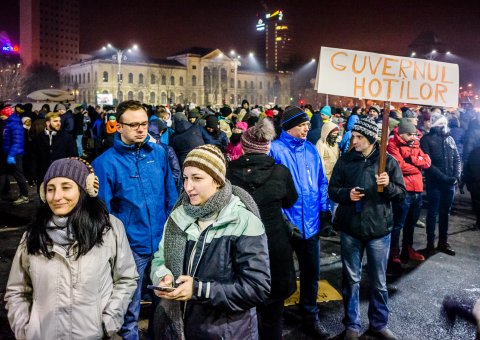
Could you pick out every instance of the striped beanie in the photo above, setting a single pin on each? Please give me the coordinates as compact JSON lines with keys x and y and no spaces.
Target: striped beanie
{"x":76,"y":169}
{"x":210,"y":159}
{"x":368,"y":128}
{"x":258,"y":138}
{"x":292,"y":117}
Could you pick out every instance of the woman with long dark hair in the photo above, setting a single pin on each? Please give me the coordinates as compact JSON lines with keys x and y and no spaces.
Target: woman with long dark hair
{"x":73,"y":274}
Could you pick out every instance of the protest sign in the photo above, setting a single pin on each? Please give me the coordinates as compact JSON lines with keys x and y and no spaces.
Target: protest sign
{"x":388,"y":78}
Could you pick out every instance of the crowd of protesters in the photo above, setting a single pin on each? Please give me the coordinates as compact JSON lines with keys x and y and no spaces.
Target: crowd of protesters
{"x":214,"y":202}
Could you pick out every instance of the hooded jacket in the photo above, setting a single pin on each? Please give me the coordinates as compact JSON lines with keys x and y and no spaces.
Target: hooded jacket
{"x":231,"y":274}
{"x":302,"y":159}
{"x":328,"y":153}
{"x":271,"y":186}
{"x":186,"y":138}
{"x":69,"y":298}
{"x":371,"y":217}
{"x":137,"y":186}
{"x":12,"y":136}
{"x":411,"y":159}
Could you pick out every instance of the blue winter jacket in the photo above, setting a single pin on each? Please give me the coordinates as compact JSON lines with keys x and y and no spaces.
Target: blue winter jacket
{"x":304,"y":162}
{"x":12,"y":136}
{"x":137,"y":186}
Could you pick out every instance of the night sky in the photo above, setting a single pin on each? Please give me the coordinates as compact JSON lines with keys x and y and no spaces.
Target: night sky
{"x":162,"y":28}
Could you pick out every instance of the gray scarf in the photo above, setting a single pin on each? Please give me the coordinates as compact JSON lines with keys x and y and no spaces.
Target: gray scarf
{"x":169,"y":312}
{"x":60,"y":233}
{"x":212,"y":206}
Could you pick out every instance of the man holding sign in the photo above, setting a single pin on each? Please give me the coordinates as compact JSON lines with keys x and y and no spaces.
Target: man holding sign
{"x":364,"y":216}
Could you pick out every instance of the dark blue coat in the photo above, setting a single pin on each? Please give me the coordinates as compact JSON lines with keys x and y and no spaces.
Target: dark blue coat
{"x":186,"y":138}
{"x":221,"y":141}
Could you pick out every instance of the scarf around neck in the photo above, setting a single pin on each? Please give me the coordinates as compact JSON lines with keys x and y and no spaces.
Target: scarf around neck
{"x":111,"y":127}
{"x":212,"y":206}
{"x":59,"y":231}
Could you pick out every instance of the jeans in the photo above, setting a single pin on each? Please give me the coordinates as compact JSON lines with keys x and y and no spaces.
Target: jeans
{"x":308,"y":254}
{"x":439,"y":204}
{"x":405,"y":216}
{"x":377,"y":251}
{"x":78,"y":140}
{"x":129,"y":330}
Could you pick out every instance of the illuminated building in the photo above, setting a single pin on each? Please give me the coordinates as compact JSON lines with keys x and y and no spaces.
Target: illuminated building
{"x":274,"y":40}
{"x":203,"y":76}
{"x":49,"y":31}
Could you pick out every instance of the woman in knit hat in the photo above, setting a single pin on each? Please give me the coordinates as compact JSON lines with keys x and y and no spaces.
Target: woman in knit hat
{"x":271,"y":186}
{"x":214,"y":253}
{"x":73,"y":274}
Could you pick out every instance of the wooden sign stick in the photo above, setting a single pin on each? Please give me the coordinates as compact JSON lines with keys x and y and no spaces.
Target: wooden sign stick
{"x":383,"y":142}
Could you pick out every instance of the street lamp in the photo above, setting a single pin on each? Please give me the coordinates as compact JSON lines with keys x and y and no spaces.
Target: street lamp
{"x":119,"y":56}
{"x":236,"y":64}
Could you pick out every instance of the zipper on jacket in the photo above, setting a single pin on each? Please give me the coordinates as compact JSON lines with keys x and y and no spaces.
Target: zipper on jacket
{"x":192,"y":258}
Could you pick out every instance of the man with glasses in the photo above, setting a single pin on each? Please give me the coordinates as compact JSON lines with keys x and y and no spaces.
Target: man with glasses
{"x":137,"y":186}
{"x":309,"y":212}
{"x":404,"y":146}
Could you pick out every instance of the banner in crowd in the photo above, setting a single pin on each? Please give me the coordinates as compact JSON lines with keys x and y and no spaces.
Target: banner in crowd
{"x":104,"y":99}
{"x":384,"y":77}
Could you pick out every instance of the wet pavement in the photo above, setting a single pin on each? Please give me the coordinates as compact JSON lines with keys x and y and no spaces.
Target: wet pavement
{"x":415,"y":296}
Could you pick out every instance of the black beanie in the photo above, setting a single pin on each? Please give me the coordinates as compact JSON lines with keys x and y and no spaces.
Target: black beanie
{"x":292,"y":117}
{"x":367,"y":128}
{"x":212,"y":122}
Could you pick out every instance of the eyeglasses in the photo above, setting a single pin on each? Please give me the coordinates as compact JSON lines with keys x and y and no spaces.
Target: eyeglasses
{"x":135,"y":126}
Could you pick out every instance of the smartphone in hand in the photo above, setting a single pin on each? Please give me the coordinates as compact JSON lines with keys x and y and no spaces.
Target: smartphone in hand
{"x":360,"y":190}
{"x":161,"y":288}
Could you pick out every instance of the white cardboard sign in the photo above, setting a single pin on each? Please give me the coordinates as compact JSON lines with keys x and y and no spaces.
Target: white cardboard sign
{"x":384,"y":77}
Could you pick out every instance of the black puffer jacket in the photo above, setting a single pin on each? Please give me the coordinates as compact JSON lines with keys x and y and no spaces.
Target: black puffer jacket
{"x":271,"y":186}
{"x":446,"y":164}
{"x":372,"y":218}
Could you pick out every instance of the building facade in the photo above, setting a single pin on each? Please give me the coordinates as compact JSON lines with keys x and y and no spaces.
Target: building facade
{"x":49,"y":32}
{"x":197,"y":75}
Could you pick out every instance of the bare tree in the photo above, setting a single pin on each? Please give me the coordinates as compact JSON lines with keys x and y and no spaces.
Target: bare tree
{"x":40,"y":76}
{"x":10,"y":80}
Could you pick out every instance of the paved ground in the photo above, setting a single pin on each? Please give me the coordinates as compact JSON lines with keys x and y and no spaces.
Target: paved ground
{"x":415,"y":296}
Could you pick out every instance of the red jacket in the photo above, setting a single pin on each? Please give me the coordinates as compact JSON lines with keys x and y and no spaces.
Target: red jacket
{"x":411,"y":160}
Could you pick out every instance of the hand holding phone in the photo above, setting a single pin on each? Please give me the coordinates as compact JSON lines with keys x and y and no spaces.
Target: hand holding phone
{"x":161,"y":288}
{"x":360,"y":190}
{"x":357,"y":193}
